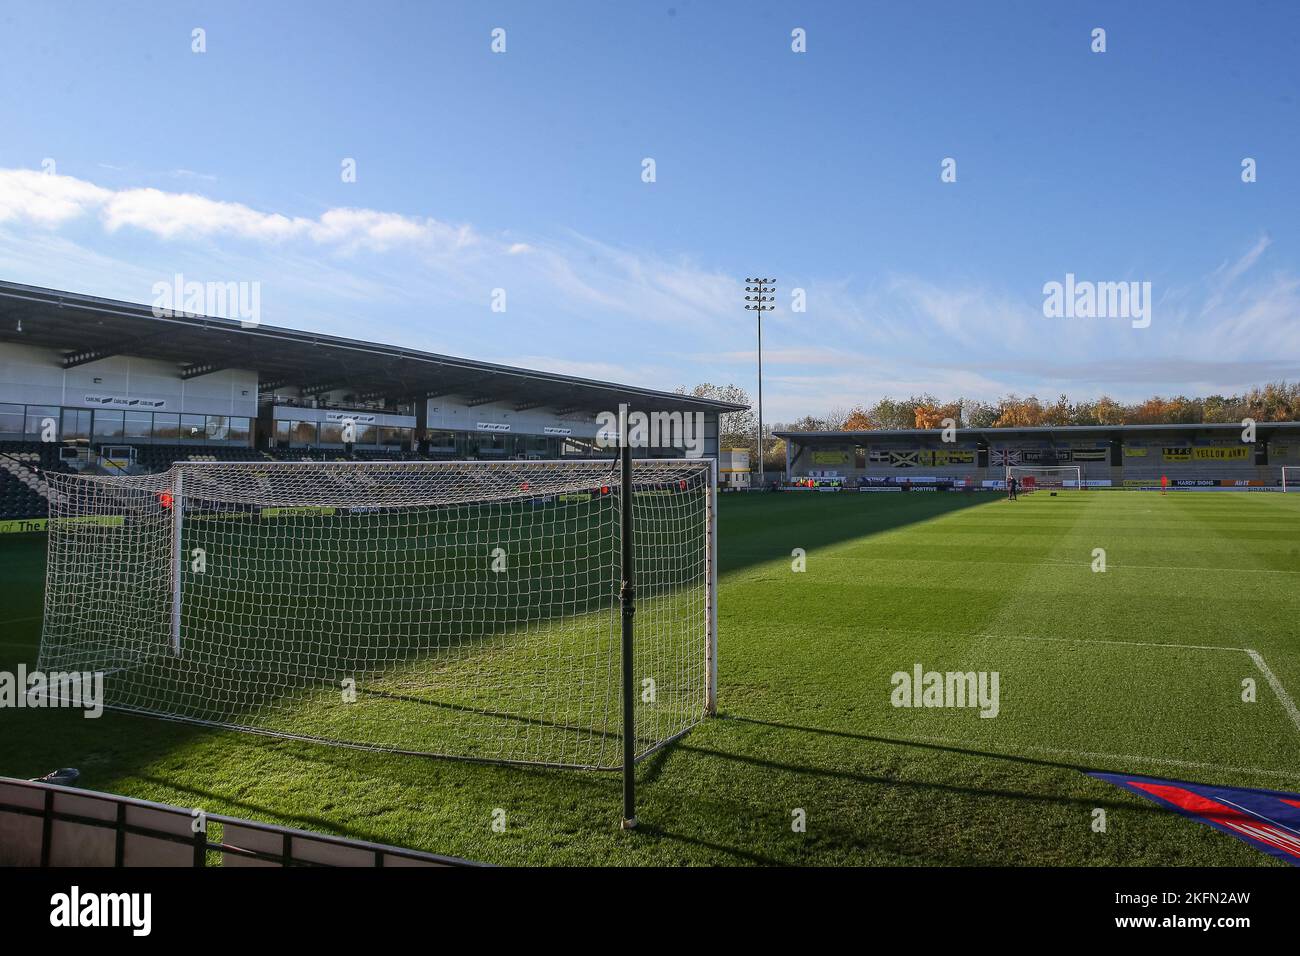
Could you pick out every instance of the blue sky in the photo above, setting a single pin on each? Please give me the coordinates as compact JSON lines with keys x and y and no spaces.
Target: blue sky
{"x":522,"y":171}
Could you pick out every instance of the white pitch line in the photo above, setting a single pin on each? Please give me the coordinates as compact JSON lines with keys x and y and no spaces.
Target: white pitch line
{"x":1287,"y":703}
{"x":1083,"y":564}
{"x":20,"y":620}
{"x":1094,"y":755}
{"x":1170,"y":567}
{"x":1086,"y":640}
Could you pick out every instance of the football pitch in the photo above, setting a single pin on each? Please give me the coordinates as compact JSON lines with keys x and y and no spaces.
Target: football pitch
{"x":1140,"y":668}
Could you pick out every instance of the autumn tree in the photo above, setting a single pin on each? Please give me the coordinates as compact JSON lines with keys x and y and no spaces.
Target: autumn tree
{"x":1016,"y":412}
{"x":735,"y":429}
{"x":1274,"y":401}
{"x":859,"y":420}
{"x":979,"y":414}
{"x":933,"y":416}
{"x":806,"y":424}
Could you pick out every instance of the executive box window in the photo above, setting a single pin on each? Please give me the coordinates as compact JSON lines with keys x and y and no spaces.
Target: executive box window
{"x":108,"y":424}
{"x":37,"y":416}
{"x":494,"y":445}
{"x":76,"y":424}
{"x":137,"y":425}
{"x":239,"y":429}
{"x":11,"y":419}
{"x":216,"y":427}
{"x":441,"y":440}
{"x":302,"y":433}
{"x":193,"y":427}
{"x":166,"y":426}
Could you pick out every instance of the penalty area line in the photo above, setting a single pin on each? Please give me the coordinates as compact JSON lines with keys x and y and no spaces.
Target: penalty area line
{"x":1287,"y":703}
{"x":1099,"y":756}
{"x":1086,"y":640}
{"x":20,"y":620}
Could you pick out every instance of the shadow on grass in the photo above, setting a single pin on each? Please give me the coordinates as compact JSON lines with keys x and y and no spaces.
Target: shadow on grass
{"x":934,"y":747}
{"x":758,"y":527}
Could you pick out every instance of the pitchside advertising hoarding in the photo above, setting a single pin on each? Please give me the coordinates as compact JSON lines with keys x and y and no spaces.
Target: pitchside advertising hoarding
{"x":1201,"y":484}
{"x":1209,"y":453}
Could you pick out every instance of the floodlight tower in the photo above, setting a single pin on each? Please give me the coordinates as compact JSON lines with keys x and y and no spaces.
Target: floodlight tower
{"x":759,"y":301}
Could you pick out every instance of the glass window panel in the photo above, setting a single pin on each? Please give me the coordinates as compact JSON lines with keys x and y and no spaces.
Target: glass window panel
{"x":304,"y":433}
{"x":108,"y":424}
{"x":37,"y":416}
{"x":166,"y":426}
{"x":11,"y":419}
{"x":138,"y":425}
{"x":217,"y":427}
{"x":192,"y":427}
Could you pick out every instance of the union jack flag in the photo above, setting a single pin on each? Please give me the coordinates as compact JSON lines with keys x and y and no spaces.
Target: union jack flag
{"x":1004,"y":456}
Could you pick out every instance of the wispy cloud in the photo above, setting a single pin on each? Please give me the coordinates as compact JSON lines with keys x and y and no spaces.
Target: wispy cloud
{"x":579,"y":304}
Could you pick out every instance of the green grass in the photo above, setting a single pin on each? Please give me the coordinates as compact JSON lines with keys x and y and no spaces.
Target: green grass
{"x":1092,"y":677}
{"x":447,"y":655}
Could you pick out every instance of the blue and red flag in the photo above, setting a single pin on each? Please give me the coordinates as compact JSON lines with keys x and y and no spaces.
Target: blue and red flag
{"x":1268,"y":820}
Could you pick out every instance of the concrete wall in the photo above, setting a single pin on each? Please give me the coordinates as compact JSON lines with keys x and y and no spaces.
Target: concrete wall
{"x":32,"y":376}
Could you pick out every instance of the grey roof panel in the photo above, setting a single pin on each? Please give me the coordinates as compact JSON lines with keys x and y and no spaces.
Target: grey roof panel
{"x":92,"y":325}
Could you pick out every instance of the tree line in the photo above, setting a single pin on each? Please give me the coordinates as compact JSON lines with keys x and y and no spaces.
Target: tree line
{"x":1273,"y":402}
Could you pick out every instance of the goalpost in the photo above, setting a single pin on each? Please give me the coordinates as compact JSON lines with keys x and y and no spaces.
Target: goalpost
{"x":476,"y":610}
{"x":1056,"y":477}
{"x":1291,"y":477}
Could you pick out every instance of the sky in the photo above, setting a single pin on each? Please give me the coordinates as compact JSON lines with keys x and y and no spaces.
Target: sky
{"x":500,"y":207}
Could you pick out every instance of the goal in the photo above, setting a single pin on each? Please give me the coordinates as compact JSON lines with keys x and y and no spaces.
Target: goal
{"x":1291,"y":477}
{"x":1056,"y":477}
{"x":458,"y":609}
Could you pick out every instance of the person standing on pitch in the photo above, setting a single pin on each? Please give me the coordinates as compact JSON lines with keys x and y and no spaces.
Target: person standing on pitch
{"x":1012,"y":482}
{"x":1164,"y":483}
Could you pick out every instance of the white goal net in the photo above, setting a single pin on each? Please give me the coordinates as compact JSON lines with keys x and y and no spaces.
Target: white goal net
{"x":1291,"y":477}
{"x":461,"y":609}
{"x":1055,"y":477}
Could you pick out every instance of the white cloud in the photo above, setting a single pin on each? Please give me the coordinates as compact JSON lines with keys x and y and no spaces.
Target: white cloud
{"x":51,"y":201}
{"x":574,"y":301}
{"x":44,"y":199}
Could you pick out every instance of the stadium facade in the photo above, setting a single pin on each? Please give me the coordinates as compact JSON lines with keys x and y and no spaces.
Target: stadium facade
{"x":96,"y":382}
{"x":1206,"y":456}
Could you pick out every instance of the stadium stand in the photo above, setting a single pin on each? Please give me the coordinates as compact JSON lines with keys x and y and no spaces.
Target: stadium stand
{"x":1190,"y":456}
{"x":118,"y":387}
